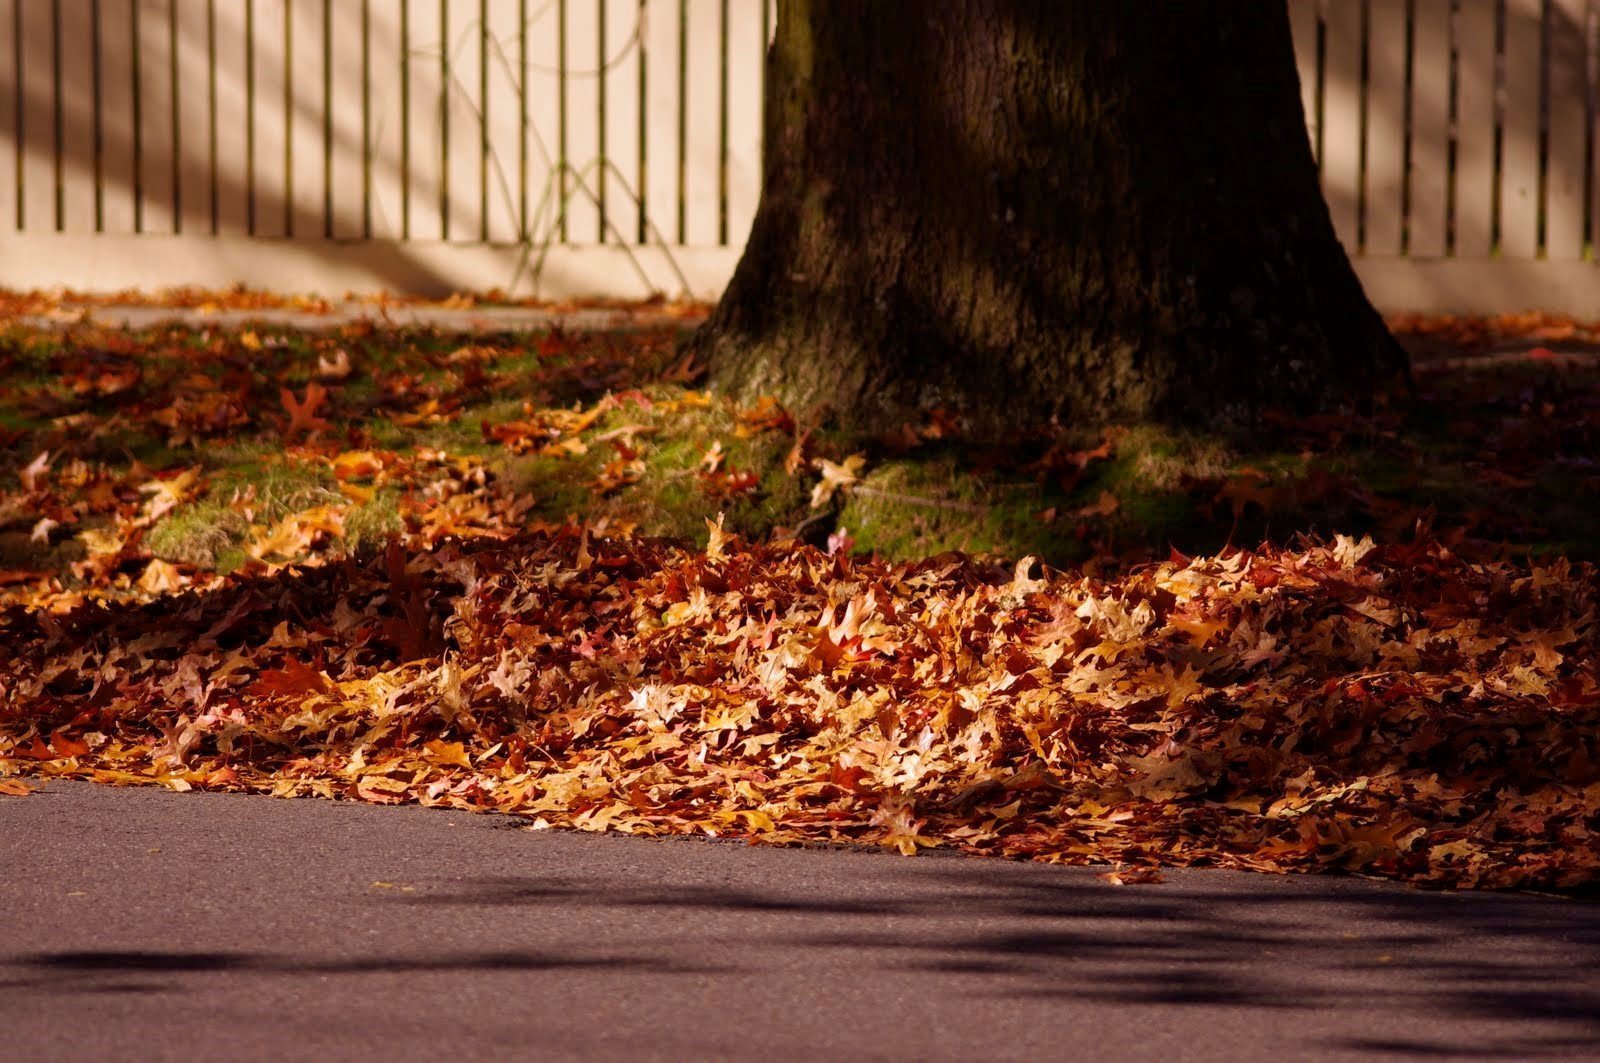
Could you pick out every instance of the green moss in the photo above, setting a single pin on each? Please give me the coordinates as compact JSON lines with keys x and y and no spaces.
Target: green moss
{"x":558,"y":486}
{"x":17,"y":421}
{"x":370,"y":523}
{"x":517,"y":364}
{"x":671,"y":496}
{"x":196,"y":534}
{"x":232,"y":558}
{"x":906,"y":509}
{"x":277,"y":487}
{"x":1157,"y":515}
{"x":388,"y":435}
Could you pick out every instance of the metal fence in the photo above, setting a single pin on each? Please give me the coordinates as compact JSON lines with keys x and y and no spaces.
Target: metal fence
{"x":612,"y":147}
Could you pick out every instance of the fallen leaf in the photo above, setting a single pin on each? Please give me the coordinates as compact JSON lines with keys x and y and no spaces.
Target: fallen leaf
{"x":1132,"y":876}
{"x":835,"y":476}
{"x":303,"y":412}
{"x":32,"y":473}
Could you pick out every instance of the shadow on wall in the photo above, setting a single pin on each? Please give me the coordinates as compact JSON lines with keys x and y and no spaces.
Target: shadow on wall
{"x":1451,"y":127}
{"x":166,"y":137}
{"x":201,"y":118}
{"x":456,"y":142}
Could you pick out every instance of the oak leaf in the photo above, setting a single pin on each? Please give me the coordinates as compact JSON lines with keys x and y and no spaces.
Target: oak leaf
{"x":835,"y":476}
{"x":303,"y":412}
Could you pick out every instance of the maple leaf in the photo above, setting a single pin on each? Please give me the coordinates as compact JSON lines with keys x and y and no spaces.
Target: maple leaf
{"x":1104,"y":506}
{"x":827,"y":651}
{"x":14,"y":788}
{"x":1022,"y":585}
{"x":453,"y":754}
{"x":380,"y":790}
{"x":1545,"y":646}
{"x":766,"y":415}
{"x":1167,"y":778}
{"x":357,"y":465}
{"x":293,"y":677}
{"x":895,"y":818}
{"x":1181,"y":687}
{"x":714,"y":456}
{"x":303,"y":412}
{"x":795,"y":459}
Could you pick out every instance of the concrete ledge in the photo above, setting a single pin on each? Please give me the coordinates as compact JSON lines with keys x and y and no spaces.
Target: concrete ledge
{"x":101,"y":263}
{"x":1481,"y":286}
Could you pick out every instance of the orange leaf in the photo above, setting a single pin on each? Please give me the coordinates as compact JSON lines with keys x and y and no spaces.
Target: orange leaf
{"x":452,"y":753}
{"x":68,"y":747}
{"x":15,"y":788}
{"x":1199,"y":632}
{"x":295,"y":677}
{"x":303,"y":412}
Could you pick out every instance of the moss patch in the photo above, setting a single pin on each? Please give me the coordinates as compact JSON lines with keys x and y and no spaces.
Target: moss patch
{"x":197,"y":535}
{"x":906,"y":509}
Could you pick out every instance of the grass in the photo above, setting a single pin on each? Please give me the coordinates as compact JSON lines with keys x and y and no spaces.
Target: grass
{"x":467,"y":435}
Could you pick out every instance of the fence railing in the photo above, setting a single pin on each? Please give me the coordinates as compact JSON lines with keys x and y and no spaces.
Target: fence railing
{"x":584,"y":147}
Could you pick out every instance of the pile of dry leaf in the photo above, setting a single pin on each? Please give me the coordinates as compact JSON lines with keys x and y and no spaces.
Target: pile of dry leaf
{"x":1392,"y":710}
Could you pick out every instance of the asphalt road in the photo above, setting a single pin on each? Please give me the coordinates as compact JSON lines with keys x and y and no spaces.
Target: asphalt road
{"x":147,"y":925}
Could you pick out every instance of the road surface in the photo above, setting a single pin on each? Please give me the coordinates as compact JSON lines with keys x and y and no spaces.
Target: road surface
{"x":148,"y":925}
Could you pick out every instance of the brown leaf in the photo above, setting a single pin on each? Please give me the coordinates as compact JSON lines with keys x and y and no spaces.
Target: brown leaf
{"x":1132,"y":876}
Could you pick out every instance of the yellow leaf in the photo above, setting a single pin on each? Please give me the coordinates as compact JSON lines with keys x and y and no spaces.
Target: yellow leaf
{"x":835,"y":476}
{"x":757,"y":820}
{"x":452,"y":753}
{"x":159,"y":577}
{"x":1197,"y":632}
{"x":716,"y":539}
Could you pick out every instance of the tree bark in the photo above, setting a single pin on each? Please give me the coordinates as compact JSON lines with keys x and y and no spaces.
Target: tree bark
{"x":1012,"y":209}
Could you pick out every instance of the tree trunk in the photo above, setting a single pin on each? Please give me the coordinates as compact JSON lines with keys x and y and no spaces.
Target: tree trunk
{"x":1015,"y":209}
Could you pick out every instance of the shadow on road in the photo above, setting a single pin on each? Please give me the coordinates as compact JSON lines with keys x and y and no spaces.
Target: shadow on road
{"x":172,"y":915}
{"x":1532,"y":963}
{"x":58,"y":970}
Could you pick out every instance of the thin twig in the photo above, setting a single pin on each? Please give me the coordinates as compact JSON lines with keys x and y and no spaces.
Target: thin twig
{"x":917,"y":500}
